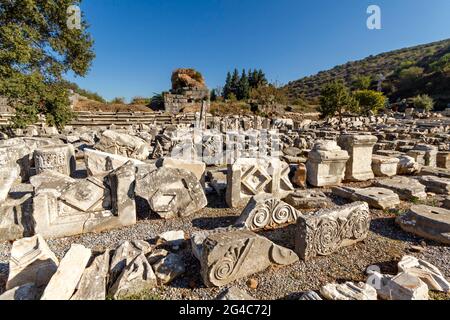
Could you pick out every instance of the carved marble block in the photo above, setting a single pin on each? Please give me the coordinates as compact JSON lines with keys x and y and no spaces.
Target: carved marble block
{"x":228,"y":255}
{"x":325,"y":231}
{"x":60,"y":158}
{"x":360,"y":149}
{"x":266,"y":212}
{"x":248,"y":177}
{"x":326,"y":164}
{"x":64,"y":208}
{"x":384,"y":166}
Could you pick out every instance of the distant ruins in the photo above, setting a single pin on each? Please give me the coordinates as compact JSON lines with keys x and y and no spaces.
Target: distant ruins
{"x":188,"y":91}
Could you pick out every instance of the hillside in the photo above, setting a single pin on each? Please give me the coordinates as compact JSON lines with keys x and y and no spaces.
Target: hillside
{"x":407,"y":72}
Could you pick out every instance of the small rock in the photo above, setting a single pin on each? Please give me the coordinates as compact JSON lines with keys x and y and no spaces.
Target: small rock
{"x":234,"y":293}
{"x":252,"y":283}
{"x":173,"y":238}
{"x":168,"y":268}
{"x":310,"y":295}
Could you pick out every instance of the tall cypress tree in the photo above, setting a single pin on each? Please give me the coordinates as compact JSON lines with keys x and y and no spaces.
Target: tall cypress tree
{"x":235,"y":82}
{"x":244,"y":87}
{"x":227,"y":87}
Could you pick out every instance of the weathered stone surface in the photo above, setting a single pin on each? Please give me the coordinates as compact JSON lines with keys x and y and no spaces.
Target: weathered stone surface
{"x":430,"y":154}
{"x":406,"y":188}
{"x":172,"y":238}
{"x":427,"y":272}
{"x":8,"y":175}
{"x":15,"y":218}
{"x":348,"y":291}
{"x":248,"y":177}
{"x":384,"y":166}
{"x":24,"y":292}
{"x":234,"y":294}
{"x":435,"y":184}
{"x":123,"y":144}
{"x":169,"y":267}
{"x":92,"y":285}
{"x":407,"y":165}
{"x":443,"y":160}
{"x":196,"y":167}
{"x":136,"y":277}
{"x":100,"y":163}
{"x":326,"y":164}
{"x":327,"y":230}
{"x":124,"y":254}
{"x":427,"y":222}
{"x":360,"y":149}
{"x":266,"y":212}
{"x":378,"y":198}
{"x":228,"y":255}
{"x":31,"y":261}
{"x":446,"y":203}
{"x":64,"y":282}
{"x":69,"y":207}
{"x":438,"y":172}
{"x":308,"y":199}
{"x":310,"y":295}
{"x":171,"y":192}
{"x":59,"y":158}
{"x":157,"y":255}
{"x":300,"y":176}
{"x":403,"y":286}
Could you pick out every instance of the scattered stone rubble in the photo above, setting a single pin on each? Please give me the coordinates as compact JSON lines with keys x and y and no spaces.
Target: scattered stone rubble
{"x":277,"y":172}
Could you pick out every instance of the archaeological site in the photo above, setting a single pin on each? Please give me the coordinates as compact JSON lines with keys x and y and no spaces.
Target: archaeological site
{"x":233,"y":193}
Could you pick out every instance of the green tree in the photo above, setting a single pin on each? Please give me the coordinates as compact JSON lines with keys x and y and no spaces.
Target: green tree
{"x":362,"y":82}
{"x":423,"y":102}
{"x":213,"y":95}
{"x":234,"y":87}
{"x":243,"y":91}
{"x":335,"y":99}
{"x":227,"y":87}
{"x":369,"y":100}
{"x":442,"y":65}
{"x":268,"y":97}
{"x":411,"y":74}
{"x":36,"y":49}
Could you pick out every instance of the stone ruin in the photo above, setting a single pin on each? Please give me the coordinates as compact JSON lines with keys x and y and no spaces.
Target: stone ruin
{"x":188,"y":91}
{"x":324,"y":178}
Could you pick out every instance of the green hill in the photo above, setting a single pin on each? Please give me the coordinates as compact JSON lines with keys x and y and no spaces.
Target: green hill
{"x":423,"y":69}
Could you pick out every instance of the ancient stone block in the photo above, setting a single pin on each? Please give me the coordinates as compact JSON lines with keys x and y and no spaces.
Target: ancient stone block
{"x":31,"y":261}
{"x":406,"y":188}
{"x":403,"y":286}
{"x":428,"y":222}
{"x":327,"y":230}
{"x":384,"y":166}
{"x":27,"y":291}
{"x":348,"y":291}
{"x":430,"y":154}
{"x":60,"y":158}
{"x":90,"y":205}
{"x":16,"y":219}
{"x":171,"y":192}
{"x":435,"y":184}
{"x":123,"y":144}
{"x":443,"y":160}
{"x":92,"y":285}
{"x":100,"y":163}
{"x":64,"y":282}
{"x":8,"y":175}
{"x":266,"y":212}
{"x":308,"y":199}
{"x":300,"y":176}
{"x":228,"y":255}
{"x":248,"y":177}
{"x":326,"y":164}
{"x":360,"y":149}
{"x":407,"y":165}
{"x":378,"y":198}
{"x":196,"y":167}
{"x":169,"y":267}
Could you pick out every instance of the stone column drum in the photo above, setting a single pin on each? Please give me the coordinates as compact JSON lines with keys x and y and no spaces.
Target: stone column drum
{"x":326,"y":164}
{"x":60,"y":158}
{"x":360,"y":149}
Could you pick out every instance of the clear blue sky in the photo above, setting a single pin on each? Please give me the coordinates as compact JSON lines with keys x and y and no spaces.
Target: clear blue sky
{"x":139,"y":43}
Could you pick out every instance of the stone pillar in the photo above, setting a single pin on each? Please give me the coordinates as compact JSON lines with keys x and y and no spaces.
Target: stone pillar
{"x":60,"y":158}
{"x":326,"y":164}
{"x":360,"y":149}
{"x":443,"y":160}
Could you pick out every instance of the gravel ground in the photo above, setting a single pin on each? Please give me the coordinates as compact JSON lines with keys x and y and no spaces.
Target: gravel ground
{"x":384,"y":246}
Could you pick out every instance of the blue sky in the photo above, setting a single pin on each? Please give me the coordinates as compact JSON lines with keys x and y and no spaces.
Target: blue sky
{"x":139,"y":43}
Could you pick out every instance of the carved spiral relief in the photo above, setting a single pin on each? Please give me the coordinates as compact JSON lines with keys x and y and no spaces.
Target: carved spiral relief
{"x":326,"y":237}
{"x":261,"y":217}
{"x":282,"y":214}
{"x":223,"y":269}
{"x":360,"y":224}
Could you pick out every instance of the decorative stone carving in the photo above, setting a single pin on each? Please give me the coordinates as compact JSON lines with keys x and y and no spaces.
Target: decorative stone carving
{"x":327,"y":230}
{"x":266,"y":212}
{"x":308,"y":199}
{"x":31,"y":261}
{"x":60,"y":158}
{"x":248,"y":177}
{"x":360,"y":149}
{"x":427,"y":222}
{"x":90,"y":205}
{"x":171,"y":192}
{"x":349,"y":291}
{"x":228,"y":255}
{"x":384,"y":166}
{"x":326,"y":164}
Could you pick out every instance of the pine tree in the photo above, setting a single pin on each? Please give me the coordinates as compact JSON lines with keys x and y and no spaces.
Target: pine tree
{"x":227,"y":87}
{"x":244,"y":87}
{"x":235,"y":82}
{"x":262,"y":81}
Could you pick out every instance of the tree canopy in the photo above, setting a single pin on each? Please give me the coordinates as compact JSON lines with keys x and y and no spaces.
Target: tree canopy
{"x":336,"y":98}
{"x":37,"y":48}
